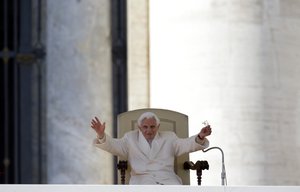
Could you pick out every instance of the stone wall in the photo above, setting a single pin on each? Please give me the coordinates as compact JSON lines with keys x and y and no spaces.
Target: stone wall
{"x":233,"y":63}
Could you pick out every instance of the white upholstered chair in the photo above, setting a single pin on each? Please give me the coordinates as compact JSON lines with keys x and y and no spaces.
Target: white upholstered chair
{"x":169,"y":121}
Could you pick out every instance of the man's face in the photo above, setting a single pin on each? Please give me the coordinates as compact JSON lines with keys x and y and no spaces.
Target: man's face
{"x":149,"y":128}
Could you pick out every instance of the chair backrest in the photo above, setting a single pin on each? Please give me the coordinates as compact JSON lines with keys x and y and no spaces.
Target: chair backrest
{"x":169,"y":121}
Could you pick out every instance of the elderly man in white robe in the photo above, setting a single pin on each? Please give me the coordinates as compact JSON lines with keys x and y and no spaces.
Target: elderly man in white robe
{"x":149,"y":151}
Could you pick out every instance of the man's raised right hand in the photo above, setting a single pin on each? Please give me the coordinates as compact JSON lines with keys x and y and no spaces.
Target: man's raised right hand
{"x":98,"y":127}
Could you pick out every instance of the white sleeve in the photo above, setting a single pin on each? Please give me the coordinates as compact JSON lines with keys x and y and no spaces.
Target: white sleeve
{"x":114,"y":146}
{"x":190,"y":144}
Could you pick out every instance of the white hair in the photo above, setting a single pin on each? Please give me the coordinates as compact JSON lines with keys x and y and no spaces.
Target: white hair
{"x":148,"y":115}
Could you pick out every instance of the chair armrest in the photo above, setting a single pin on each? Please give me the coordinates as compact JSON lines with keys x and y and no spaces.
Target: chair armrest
{"x":122,"y":166}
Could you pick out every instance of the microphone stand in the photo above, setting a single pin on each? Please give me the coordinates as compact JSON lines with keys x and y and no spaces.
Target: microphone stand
{"x":223,"y":173}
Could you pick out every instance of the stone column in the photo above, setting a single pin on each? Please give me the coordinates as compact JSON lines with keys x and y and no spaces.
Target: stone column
{"x":78,"y":88}
{"x":138,"y":53}
{"x":236,"y":64}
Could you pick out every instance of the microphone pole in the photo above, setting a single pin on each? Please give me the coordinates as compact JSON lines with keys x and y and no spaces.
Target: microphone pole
{"x":223,"y":173}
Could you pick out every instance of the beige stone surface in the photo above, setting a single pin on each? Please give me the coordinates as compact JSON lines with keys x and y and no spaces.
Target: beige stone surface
{"x":138,"y":54}
{"x":78,"y":88}
{"x":235,"y":64}
{"x":231,"y":62}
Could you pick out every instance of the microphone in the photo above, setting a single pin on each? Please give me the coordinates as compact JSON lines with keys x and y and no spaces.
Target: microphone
{"x":223,"y":173}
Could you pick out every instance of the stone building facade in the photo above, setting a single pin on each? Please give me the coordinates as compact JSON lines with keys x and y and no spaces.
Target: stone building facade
{"x":233,"y":63}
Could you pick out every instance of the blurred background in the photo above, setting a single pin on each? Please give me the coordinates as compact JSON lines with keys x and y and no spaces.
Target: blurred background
{"x":234,"y":63}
